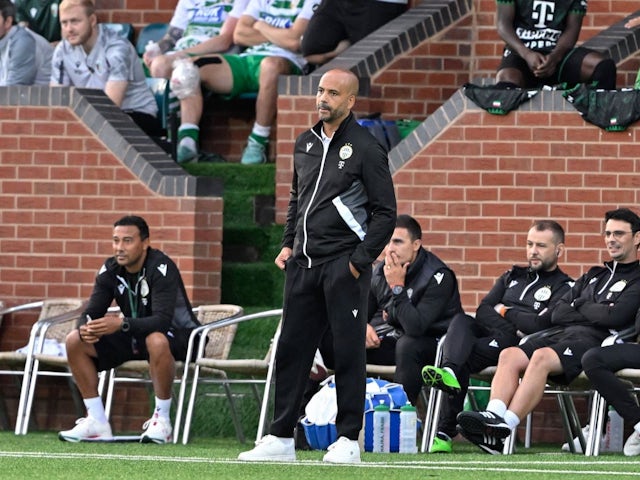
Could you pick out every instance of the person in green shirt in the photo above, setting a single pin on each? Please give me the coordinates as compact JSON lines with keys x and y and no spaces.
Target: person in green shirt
{"x":41,"y":16}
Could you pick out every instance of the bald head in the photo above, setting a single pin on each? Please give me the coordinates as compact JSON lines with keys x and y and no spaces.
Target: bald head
{"x":336,"y":96}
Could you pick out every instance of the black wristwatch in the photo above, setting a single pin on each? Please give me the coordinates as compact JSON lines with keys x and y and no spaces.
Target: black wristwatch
{"x":397,"y":289}
{"x":126,"y":326}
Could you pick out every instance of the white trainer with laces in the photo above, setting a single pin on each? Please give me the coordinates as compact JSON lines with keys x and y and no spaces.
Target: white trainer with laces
{"x":271,"y":449}
{"x":632,"y":445}
{"x":343,"y":450}
{"x":87,"y":428}
{"x":157,"y":430}
{"x":576,"y":441}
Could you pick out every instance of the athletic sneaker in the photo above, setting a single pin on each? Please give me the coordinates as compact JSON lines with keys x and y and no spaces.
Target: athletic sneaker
{"x":157,"y":430}
{"x":343,"y":450}
{"x":487,"y":443}
{"x":576,"y":441}
{"x":87,"y":428}
{"x":441,"y":379}
{"x":186,"y":155}
{"x":483,"y":423}
{"x":632,"y":445}
{"x":254,"y":153}
{"x":271,"y":448}
{"x":442,"y":443}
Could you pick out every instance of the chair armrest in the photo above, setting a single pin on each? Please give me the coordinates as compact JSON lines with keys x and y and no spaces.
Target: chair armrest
{"x":621,"y":336}
{"x":547,"y":332}
{"x":205,"y":329}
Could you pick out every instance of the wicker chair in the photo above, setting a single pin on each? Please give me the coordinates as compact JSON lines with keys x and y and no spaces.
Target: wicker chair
{"x":19,"y":363}
{"x":218,"y":346}
{"x":251,"y":371}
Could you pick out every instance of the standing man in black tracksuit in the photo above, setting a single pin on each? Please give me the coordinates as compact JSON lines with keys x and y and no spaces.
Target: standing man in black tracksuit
{"x":414,"y":295}
{"x":519,"y":303}
{"x":602,"y":301}
{"x":342,"y":211}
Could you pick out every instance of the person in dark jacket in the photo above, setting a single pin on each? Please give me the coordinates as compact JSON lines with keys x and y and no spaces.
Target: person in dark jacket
{"x":342,"y":211}
{"x":602,"y":301}
{"x":414,"y":295}
{"x":154,"y":324}
{"x":519,"y":303}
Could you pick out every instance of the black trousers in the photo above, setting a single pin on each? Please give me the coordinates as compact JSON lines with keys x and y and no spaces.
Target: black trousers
{"x":314,"y":299}
{"x":469,"y":348}
{"x":600,"y":365}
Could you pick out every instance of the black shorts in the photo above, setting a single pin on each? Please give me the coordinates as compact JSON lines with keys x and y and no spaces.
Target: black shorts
{"x":115,"y":349}
{"x":336,"y":20}
{"x":568,"y":69}
{"x":570,"y":346}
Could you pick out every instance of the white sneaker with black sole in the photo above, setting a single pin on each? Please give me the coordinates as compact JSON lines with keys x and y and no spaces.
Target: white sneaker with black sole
{"x":157,"y":430}
{"x":271,"y":449}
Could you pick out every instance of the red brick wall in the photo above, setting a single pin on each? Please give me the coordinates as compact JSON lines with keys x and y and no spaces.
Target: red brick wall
{"x":476,"y":188}
{"x":61,"y":190}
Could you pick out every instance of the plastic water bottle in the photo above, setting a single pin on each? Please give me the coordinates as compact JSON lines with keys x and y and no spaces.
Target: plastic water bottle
{"x":381,"y":428}
{"x":408,"y":422}
{"x":152,"y":49}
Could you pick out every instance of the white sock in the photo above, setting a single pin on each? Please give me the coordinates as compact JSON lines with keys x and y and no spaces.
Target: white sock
{"x":497,"y":406}
{"x":163,"y":407}
{"x":261,"y":130}
{"x":511,"y":419}
{"x":95,"y":409}
{"x":636,"y":427}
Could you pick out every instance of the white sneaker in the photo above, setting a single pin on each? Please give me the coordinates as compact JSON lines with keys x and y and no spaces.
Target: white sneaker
{"x":271,"y":448}
{"x":87,"y":428}
{"x":156,"y":430}
{"x":576,"y":441}
{"x":343,"y":450}
{"x":632,"y":445}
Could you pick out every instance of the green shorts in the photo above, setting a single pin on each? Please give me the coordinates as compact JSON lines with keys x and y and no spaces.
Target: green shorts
{"x":246,"y":73}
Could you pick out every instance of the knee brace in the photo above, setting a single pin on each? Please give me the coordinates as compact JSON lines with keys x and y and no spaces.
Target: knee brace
{"x":604,"y":75}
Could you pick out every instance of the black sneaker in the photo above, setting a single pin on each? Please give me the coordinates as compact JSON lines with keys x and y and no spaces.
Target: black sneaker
{"x":483,"y":424}
{"x":487,"y":443}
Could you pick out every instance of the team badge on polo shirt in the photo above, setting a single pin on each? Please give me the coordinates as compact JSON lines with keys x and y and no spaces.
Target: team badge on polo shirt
{"x":346,"y":151}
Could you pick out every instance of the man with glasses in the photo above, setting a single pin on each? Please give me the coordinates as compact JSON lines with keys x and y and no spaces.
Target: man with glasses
{"x":603,"y":300}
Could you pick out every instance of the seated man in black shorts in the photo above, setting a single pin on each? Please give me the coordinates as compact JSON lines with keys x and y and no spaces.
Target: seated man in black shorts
{"x":540,"y":47}
{"x":155,"y":323}
{"x":604,"y":299}
{"x":338,"y":24}
{"x":519,"y":303}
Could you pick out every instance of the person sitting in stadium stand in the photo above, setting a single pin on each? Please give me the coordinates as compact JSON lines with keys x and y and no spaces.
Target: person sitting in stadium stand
{"x":338,"y":24}
{"x":540,"y":47}
{"x":40,"y":16}
{"x":604,"y":299}
{"x":520,"y":302}
{"x":25,"y":56}
{"x":197,"y":28}
{"x":272,"y":32}
{"x":632,"y":23}
{"x":92,"y":56}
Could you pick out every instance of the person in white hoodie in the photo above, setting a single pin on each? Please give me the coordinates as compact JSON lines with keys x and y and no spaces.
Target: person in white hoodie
{"x":25,"y":57}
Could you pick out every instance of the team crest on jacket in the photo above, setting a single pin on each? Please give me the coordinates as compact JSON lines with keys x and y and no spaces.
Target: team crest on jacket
{"x":542,"y":294}
{"x":346,"y":151}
